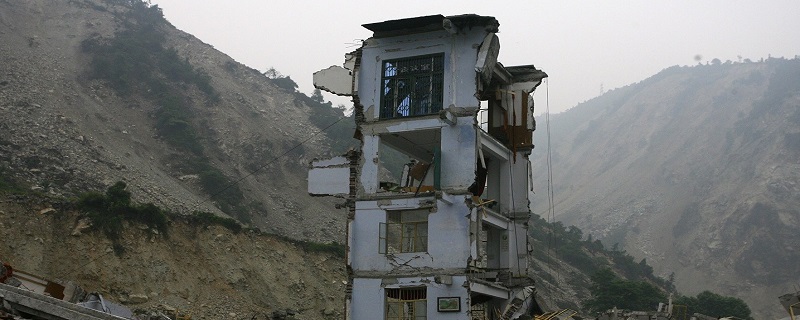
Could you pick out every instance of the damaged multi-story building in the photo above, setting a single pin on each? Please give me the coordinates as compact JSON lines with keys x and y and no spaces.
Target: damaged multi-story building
{"x":438,"y":191}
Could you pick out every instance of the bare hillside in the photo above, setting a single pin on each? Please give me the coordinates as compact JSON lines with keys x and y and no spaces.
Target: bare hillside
{"x":65,"y":131}
{"x":696,"y":169}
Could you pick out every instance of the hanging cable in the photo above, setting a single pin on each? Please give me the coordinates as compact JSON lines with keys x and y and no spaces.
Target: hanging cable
{"x":513,"y":212}
{"x":550,"y":193}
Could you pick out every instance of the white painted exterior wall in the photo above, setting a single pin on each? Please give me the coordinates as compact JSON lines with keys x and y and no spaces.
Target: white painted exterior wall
{"x":459,"y":73}
{"x":448,"y":237}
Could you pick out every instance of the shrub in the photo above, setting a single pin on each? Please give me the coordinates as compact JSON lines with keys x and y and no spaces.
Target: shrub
{"x":609,"y":291}
{"x":173,"y":122}
{"x":335,"y":248}
{"x":715,"y":305}
{"x":8,"y":183}
{"x":107,"y":211}
{"x":207,"y":219}
{"x":152,"y":216}
{"x":136,"y":61}
{"x":228,"y":197}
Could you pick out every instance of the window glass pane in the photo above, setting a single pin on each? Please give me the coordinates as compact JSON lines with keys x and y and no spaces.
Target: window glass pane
{"x":422,"y":237}
{"x":415,"y":215}
{"x":409,"y":236}
{"x":407,"y":231}
{"x":390,"y":69}
{"x":393,"y":238}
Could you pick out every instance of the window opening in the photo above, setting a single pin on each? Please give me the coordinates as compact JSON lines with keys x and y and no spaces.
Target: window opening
{"x":412,"y":86}
{"x":408,"y":162}
{"x":479,"y":311}
{"x":406,"y":303}
{"x":404,"y":231}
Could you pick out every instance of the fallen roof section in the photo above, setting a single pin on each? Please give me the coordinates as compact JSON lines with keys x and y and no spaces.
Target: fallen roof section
{"x":49,"y":308}
{"x":437,"y":22}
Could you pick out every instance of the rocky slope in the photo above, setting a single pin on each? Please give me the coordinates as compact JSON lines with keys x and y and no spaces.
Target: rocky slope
{"x":696,"y":169}
{"x":64,"y":132}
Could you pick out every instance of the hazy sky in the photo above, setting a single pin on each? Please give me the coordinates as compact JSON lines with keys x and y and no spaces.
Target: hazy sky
{"x":583,"y":45}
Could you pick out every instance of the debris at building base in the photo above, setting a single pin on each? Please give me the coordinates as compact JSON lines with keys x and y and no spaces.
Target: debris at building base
{"x":27,"y":296}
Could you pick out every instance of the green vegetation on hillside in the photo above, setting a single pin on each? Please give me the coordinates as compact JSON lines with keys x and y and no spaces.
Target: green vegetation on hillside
{"x":338,"y":127}
{"x":324,"y":115}
{"x":715,"y":305}
{"x":589,"y":256}
{"x":206,"y":219}
{"x":8,"y":183}
{"x":136,"y":61}
{"x":639,"y":290}
{"x":609,"y":291}
{"x":334,"y":248}
{"x":107,"y":212}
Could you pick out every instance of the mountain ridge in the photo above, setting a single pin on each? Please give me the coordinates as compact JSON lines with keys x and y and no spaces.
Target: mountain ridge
{"x":690,"y":169}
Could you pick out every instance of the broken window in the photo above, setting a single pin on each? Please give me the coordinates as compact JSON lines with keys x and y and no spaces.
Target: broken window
{"x":412,"y":86}
{"x":480,"y":311}
{"x":404,"y":231}
{"x":408,"y":161}
{"x":510,"y":118}
{"x":406,"y":303}
{"x":492,"y":244}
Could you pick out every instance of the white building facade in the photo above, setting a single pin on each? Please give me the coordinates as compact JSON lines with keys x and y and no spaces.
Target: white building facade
{"x":437,"y":193}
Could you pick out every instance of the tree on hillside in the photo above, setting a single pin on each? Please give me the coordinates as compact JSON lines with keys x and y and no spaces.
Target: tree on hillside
{"x":715,"y":305}
{"x":317,"y":96}
{"x":272,"y":73}
{"x":609,"y":291}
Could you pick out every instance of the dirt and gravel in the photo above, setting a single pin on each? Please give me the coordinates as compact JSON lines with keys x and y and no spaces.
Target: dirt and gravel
{"x":208,"y":272}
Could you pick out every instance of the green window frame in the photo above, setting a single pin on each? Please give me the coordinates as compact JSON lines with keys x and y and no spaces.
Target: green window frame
{"x":412,"y":86}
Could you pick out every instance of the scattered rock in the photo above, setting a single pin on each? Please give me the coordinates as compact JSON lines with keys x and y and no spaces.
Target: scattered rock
{"x":83,"y":224}
{"x":138,"y":298}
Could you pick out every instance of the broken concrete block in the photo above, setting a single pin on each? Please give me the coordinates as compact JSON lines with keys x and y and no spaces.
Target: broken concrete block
{"x":329,"y":177}
{"x":335,"y":79}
